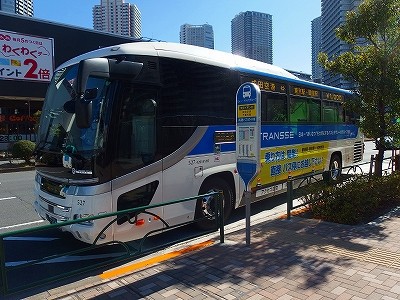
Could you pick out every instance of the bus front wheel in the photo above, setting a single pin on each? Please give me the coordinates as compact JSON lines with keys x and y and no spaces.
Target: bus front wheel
{"x":205,"y":206}
{"x":335,"y":167}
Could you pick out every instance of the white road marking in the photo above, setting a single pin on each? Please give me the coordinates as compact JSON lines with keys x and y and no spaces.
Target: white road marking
{"x":8,"y":198}
{"x":23,"y":224}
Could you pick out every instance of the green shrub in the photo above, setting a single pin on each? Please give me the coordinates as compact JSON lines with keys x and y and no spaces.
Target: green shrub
{"x":23,"y":149}
{"x":356,"y":201}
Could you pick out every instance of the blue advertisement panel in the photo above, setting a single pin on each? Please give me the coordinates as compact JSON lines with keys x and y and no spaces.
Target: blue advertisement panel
{"x":277,"y":135}
{"x":280,"y":135}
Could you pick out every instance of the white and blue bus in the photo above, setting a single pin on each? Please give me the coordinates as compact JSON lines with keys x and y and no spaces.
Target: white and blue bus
{"x":145,"y":123}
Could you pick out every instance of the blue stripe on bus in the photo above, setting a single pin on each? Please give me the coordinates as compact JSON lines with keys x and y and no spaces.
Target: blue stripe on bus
{"x":206,"y":144}
{"x":279,"y":135}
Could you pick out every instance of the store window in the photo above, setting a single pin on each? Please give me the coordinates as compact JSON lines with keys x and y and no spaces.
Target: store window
{"x":17,"y":122}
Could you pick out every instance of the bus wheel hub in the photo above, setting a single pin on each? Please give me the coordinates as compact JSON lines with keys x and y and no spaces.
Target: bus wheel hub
{"x":208,"y":205}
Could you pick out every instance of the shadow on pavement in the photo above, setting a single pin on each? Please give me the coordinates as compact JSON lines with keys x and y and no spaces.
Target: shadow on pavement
{"x":285,"y":254}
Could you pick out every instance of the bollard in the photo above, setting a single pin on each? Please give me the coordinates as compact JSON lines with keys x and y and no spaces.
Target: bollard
{"x":247,"y":197}
{"x":3,"y":275}
{"x":371,"y":164}
{"x":221,"y":217}
{"x":289,"y":193}
{"x":397,"y":162}
{"x":326,"y":176}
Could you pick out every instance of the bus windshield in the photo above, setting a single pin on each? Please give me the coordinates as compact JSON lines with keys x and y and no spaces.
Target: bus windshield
{"x":58,"y":132}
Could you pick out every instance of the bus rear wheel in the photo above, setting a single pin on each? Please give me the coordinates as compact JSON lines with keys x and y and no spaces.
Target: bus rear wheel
{"x":335,"y":167}
{"x":205,"y":206}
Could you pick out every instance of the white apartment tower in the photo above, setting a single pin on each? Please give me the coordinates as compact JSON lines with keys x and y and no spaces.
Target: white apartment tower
{"x":119,"y":17}
{"x":252,"y":35}
{"x":333,"y":14}
{"x":20,"y":7}
{"x":197,"y":35}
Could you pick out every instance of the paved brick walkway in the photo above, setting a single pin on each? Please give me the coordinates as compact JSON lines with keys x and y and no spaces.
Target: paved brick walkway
{"x":296,"y":259}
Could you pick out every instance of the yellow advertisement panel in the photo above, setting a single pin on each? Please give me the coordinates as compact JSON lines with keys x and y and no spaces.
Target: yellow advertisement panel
{"x":294,"y":160}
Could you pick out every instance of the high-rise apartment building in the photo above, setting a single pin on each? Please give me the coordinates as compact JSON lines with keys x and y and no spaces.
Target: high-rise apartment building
{"x":333,"y":14}
{"x":20,"y":7}
{"x":316,"y":46}
{"x":119,"y":17}
{"x":197,"y":35}
{"x":252,"y":35}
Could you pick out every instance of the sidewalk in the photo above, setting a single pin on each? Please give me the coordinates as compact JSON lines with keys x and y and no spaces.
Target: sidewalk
{"x":14,"y":166}
{"x":296,"y":259}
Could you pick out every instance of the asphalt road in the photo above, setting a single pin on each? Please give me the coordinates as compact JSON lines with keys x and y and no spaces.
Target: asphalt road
{"x":16,"y":200}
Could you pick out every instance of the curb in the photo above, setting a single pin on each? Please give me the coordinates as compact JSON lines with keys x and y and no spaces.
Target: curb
{"x":17,"y":169}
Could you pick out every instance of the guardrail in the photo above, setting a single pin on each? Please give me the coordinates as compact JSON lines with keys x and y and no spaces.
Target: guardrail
{"x":346,"y":172}
{"x":129,"y":252}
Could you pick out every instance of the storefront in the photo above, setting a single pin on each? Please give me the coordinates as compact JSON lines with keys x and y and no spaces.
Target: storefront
{"x":18,"y":120}
{"x":30,"y":49}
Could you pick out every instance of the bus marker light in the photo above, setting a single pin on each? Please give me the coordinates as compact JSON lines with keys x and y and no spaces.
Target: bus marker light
{"x":140,"y":222}
{"x":156,"y":218}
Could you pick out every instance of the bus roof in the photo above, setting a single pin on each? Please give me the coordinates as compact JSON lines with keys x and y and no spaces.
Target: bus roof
{"x":201,"y":55}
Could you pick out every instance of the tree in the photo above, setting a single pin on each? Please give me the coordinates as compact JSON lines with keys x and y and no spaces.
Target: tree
{"x":23,"y":149}
{"x":37,"y":116}
{"x":373,"y":31}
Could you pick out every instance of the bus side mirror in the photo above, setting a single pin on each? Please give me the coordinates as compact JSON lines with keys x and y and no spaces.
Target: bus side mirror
{"x":83,"y":112}
{"x":97,"y":67}
{"x":90,"y":94}
{"x":69,"y":106}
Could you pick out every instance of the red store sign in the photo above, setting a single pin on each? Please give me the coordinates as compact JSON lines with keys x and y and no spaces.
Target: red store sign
{"x":17,"y":118}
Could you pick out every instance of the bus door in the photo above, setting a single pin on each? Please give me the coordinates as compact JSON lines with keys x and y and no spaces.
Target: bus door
{"x":137,"y":175}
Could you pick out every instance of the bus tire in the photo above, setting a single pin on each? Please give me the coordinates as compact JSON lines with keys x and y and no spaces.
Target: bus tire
{"x":335,"y":167}
{"x":205,"y":206}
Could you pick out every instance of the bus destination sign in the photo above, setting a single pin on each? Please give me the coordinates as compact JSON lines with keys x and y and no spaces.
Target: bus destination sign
{"x":332,"y":97}
{"x":303,"y":91}
{"x":269,"y":86}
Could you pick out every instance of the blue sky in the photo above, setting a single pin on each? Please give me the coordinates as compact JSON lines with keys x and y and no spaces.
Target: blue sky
{"x":161,"y":19}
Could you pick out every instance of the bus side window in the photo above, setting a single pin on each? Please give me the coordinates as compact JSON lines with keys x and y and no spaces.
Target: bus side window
{"x":140,"y":196}
{"x":333,"y":112}
{"x":304,"y":110}
{"x":342,"y":116}
{"x":314,"y":111}
{"x":298,"y":110}
{"x":143,"y":129}
{"x":136,"y":140}
{"x":329,"y":115}
{"x":273,"y":108}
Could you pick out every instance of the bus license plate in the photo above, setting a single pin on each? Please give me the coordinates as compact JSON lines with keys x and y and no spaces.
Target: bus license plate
{"x":271,"y":189}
